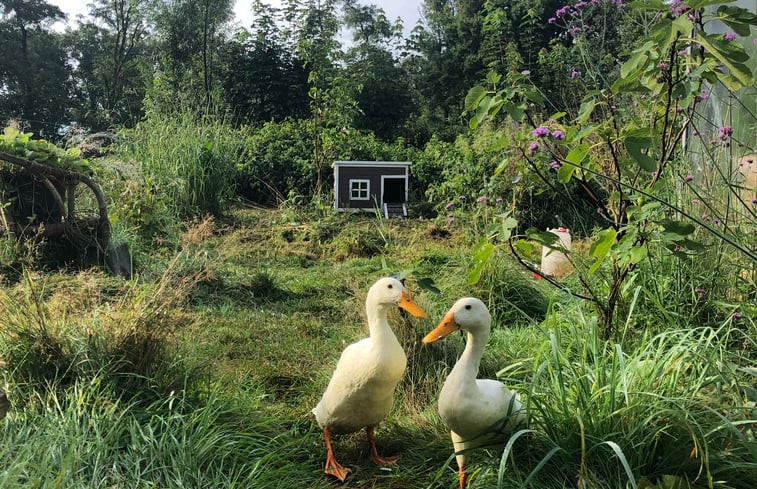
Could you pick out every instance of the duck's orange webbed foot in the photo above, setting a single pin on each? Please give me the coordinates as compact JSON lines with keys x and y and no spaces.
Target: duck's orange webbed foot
{"x":332,"y":466}
{"x":374,"y":453}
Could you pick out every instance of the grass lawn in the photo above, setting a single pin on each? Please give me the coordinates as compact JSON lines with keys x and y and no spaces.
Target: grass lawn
{"x":204,"y":375}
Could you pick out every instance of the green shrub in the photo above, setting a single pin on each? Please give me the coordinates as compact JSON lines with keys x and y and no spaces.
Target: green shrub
{"x":189,"y":161}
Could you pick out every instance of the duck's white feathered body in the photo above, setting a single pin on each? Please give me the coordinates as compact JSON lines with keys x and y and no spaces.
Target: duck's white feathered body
{"x":476,"y":411}
{"x":361,"y":390}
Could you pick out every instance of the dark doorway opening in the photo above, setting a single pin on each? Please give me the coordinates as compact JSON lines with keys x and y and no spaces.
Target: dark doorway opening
{"x":394,"y":190}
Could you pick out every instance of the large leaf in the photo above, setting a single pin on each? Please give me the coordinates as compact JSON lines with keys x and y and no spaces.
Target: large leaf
{"x":738,"y":70}
{"x":545,"y":238}
{"x":602,"y":246}
{"x":638,"y":57}
{"x":481,"y":254}
{"x":565,"y":173}
{"x":635,"y":146}
{"x":737,"y":19}
{"x":680,"y":228}
{"x":585,"y":111}
{"x":427,"y":283}
{"x":474,"y":96}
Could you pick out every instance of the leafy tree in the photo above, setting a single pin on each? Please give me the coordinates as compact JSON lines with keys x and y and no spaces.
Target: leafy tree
{"x":34,"y":76}
{"x":262,"y":78}
{"x":111,"y":51}
{"x":631,"y":150}
{"x":192,"y":35}
{"x":381,"y":85}
{"x":332,"y":108}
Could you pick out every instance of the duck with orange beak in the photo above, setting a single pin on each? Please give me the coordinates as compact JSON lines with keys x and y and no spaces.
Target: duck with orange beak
{"x":478,"y":412}
{"x":361,"y":389}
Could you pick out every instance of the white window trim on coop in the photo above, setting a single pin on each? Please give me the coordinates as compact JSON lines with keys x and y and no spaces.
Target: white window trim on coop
{"x":362,"y":193}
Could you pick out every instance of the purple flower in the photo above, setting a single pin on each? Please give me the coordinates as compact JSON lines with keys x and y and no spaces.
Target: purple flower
{"x":579,"y":4}
{"x":700,"y":291}
{"x":462,"y":197}
{"x":729,"y":36}
{"x":551,"y":20}
{"x":575,"y":74}
{"x":662,"y":65}
{"x":451,"y":216}
{"x":533,"y":147}
{"x":449,"y":205}
{"x":555,"y":164}
{"x":562,"y":11}
{"x":540,"y":132}
{"x":450,"y":221}
{"x":716,"y":221}
{"x":688,"y":178}
{"x":754,"y":200}
{"x":736,"y":316}
{"x":558,"y":134}
{"x":695,"y":201}
{"x":725,"y":132}
{"x":483,"y":198}
{"x":499,"y":200}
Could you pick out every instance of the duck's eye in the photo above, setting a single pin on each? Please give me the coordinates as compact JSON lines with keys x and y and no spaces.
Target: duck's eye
{"x":468,"y":307}
{"x":390,"y":286}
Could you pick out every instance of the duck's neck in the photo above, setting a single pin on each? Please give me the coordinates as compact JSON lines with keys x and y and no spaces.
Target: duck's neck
{"x":467,"y":366}
{"x":378,"y":325}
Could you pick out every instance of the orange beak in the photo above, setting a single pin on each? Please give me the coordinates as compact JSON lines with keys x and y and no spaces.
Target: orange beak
{"x":446,"y":327}
{"x":407,"y":304}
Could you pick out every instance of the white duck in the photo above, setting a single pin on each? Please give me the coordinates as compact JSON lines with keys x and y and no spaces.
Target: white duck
{"x":361,"y":389}
{"x":477,"y":411}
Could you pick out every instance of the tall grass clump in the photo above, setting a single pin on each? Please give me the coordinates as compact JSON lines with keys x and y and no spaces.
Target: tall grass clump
{"x":88,"y":437}
{"x":190,"y":160}
{"x":46,"y":343}
{"x":673,"y":408}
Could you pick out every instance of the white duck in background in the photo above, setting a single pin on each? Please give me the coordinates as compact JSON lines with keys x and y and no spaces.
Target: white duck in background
{"x":477,"y":411}
{"x":361,"y":389}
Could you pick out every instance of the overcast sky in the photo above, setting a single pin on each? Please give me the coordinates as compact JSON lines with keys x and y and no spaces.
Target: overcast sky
{"x":408,"y":10}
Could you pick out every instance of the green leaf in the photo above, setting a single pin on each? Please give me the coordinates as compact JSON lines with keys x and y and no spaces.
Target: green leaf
{"x":542,"y":237}
{"x":638,"y":57}
{"x":508,"y":224}
{"x":663,"y":33}
{"x":528,"y":249}
{"x":481,"y":254}
{"x":586,"y":131}
{"x":577,"y":154}
{"x":427,"y":283}
{"x":515,"y":111}
{"x":501,"y":167}
{"x":602,"y":246}
{"x":706,"y":3}
{"x":565,"y":173}
{"x":739,"y":71}
{"x":635,"y":147}
{"x":534,"y":96}
{"x":680,"y":228}
{"x":587,"y":107}
{"x":638,"y":253}
{"x":474,"y":96}
{"x":493,"y":78}
{"x":737,"y":19}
